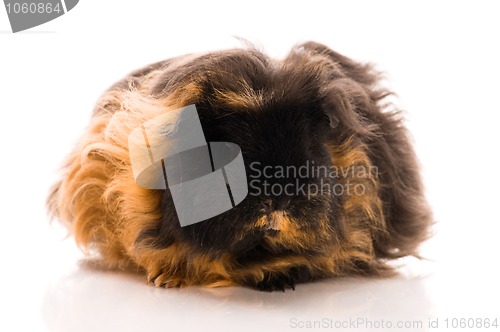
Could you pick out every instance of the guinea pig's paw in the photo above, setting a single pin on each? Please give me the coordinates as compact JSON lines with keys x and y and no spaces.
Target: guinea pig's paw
{"x":165,"y":280}
{"x":276,"y":282}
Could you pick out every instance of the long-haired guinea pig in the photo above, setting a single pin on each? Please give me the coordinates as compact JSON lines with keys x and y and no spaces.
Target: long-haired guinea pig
{"x":333,"y":182}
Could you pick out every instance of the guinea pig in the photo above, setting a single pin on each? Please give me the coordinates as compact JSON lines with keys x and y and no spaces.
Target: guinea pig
{"x":315,"y":123}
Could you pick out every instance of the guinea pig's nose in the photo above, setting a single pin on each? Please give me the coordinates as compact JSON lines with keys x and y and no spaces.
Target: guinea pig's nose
{"x":279,"y":203}
{"x":268,"y":204}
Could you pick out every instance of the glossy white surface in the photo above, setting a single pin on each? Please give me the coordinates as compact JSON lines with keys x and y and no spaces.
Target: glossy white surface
{"x":442,"y":60}
{"x":121,"y":302}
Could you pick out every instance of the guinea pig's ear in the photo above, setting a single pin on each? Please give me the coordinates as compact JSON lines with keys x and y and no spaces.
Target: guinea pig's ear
{"x":333,"y":120}
{"x":350,"y":96}
{"x":348,"y":104}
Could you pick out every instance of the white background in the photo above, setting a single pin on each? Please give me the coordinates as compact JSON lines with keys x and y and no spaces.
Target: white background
{"x":442,"y":58}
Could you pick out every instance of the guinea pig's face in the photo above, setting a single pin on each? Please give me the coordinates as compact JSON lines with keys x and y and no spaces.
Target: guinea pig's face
{"x":290,"y":207}
{"x":285,"y":209}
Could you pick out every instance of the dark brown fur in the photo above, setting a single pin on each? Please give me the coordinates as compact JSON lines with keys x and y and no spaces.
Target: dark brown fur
{"x":314,"y":105}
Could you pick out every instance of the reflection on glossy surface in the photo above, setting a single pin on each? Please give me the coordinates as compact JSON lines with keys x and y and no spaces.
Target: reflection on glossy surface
{"x":89,"y":300}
